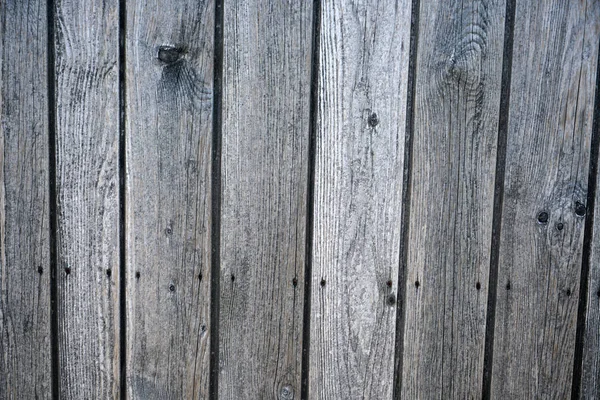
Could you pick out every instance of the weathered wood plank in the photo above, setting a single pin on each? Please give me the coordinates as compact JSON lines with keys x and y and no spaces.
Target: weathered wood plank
{"x":87,"y":173}
{"x":25,"y":370}
{"x":457,"y":102}
{"x":266,"y":101}
{"x":169,"y":137}
{"x":590,"y":376}
{"x":548,"y":149}
{"x":360,"y":137}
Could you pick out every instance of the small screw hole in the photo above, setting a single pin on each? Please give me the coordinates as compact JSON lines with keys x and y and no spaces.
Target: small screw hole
{"x":40,"y":270}
{"x":417,"y":284}
{"x":137,"y":275}
{"x":172,"y":287}
{"x":67,"y":270}
{"x":323,"y":282}
{"x":543,"y":217}
{"x":478,"y":286}
{"x":580,"y":209}
{"x":295,"y":282}
{"x":108,"y":272}
{"x":391,"y":300}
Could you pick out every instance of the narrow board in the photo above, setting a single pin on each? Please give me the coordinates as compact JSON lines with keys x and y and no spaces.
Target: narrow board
{"x":590,"y":377}
{"x":169,"y":83}
{"x":455,"y":135}
{"x":265,"y":132}
{"x":25,"y":370}
{"x":87,"y":188}
{"x":548,"y":149}
{"x":363,"y":56}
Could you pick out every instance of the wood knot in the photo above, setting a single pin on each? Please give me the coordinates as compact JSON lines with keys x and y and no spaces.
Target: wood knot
{"x":286,"y":392}
{"x":373,"y":120}
{"x":169,"y":54}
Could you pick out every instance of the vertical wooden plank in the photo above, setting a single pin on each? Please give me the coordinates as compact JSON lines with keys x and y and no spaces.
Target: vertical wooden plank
{"x":266,"y":102}
{"x":360,"y":137}
{"x":548,"y":148}
{"x":25,"y":370}
{"x":87,"y":173}
{"x":169,"y":136}
{"x":590,"y":376}
{"x":457,"y":102}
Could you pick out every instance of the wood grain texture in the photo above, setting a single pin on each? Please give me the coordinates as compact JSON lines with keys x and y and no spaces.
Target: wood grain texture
{"x":457,"y":102}
{"x":168,"y":218}
{"x":360,"y":137}
{"x":590,"y":380}
{"x":87,"y":173}
{"x":25,"y":370}
{"x":590,"y":377}
{"x":266,"y":99}
{"x":548,"y":149}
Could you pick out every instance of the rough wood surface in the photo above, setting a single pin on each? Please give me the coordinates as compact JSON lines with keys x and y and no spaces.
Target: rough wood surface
{"x":25,"y":371}
{"x":590,"y":381}
{"x":360,"y":137}
{"x":266,"y":98}
{"x":590,"y":377}
{"x":87,"y":173}
{"x":548,"y":147}
{"x":457,"y":101}
{"x":169,"y":135}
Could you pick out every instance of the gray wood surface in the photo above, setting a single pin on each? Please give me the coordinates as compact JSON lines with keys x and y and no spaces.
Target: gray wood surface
{"x":169,"y":136}
{"x":266,"y":99}
{"x":457,"y":101}
{"x":548,"y":148}
{"x":590,"y":381}
{"x":360,"y":138}
{"x":590,"y":377}
{"x":87,"y":173}
{"x":25,"y":371}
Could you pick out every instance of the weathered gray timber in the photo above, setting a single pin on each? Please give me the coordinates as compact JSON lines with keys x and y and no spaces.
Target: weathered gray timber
{"x":87,"y":188}
{"x":360,"y":137}
{"x":456,"y":110}
{"x":169,"y":73}
{"x":266,"y":99}
{"x":548,"y":147}
{"x":590,"y":381}
{"x":25,"y":370}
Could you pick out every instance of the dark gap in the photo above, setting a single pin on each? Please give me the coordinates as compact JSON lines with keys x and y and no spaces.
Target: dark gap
{"x":215,"y":233}
{"x":509,"y":27}
{"x":587,"y":243}
{"x":122,"y":201}
{"x":310,"y":196}
{"x":53,"y":202}
{"x":406,"y":195}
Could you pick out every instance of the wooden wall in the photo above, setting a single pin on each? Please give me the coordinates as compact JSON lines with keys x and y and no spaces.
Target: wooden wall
{"x":352,"y":199}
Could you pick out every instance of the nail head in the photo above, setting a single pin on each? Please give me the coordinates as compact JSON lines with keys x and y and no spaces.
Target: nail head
{"x":543,"y":217}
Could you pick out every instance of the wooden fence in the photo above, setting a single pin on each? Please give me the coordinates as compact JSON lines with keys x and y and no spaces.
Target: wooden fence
{"x":284,"y":199}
